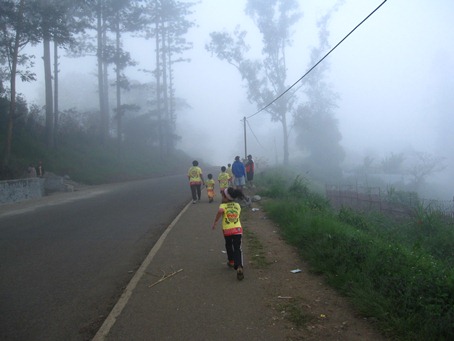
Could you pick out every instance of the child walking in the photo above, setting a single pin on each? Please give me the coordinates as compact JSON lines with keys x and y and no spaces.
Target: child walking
{"x":224,"y":179}
{"x":195,"y":177}
{"x":230,"y":211}
{"x":230,"y":173}
{"x":210,"y":187}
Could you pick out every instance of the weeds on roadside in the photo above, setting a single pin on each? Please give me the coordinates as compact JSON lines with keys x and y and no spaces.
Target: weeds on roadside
{"x":391,"y":272}
{"x":294,"y":312}
{"x":256,"y":250}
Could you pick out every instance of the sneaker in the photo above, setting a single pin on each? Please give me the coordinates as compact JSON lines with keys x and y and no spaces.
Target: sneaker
{"x":193,"y":201}
{"x":239,"y":273}
{"x":230,"y":265}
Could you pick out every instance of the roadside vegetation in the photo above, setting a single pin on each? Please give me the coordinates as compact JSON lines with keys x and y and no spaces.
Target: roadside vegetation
{"x":398,"y":273}
{"x":82,"y":157}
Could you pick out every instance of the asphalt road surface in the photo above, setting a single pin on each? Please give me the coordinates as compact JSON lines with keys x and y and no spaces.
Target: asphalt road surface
{"x":65,"y":259}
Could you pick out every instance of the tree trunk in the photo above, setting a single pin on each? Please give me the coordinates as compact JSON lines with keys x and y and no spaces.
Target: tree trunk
{"x":165,"y":97}
{"x":49,"y":95}
{"x":105,"y":75}
{"x":158,"y":93}
{"x":102,"y":108}
{"x":56,"y":113}
{"x":171,"y":88}
{"x":12,"y":107}
{"x":118,"y":78}
{"x":12,"y":103}
{"x":171,"y":99}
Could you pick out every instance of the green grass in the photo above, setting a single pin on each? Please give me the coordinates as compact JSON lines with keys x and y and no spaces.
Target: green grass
{"x":393,"y":272}
{"x":294,"y":311}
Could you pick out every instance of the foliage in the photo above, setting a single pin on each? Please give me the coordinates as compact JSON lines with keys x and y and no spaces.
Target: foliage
{"x":167,"y":22}
{"x":406,"y":171}
{"x":98,"y":25}
{"x":141,"y":130}
{"x":425,"y":164}
{"x":393,"y":163}
{"x":317,"y":129}
{"x":392,"y":271}
{"x":265,"y":78}
{"x":92,"y":163}
{"x":350,"y":217}
{"x":402,"y":197}
{"x":273,"y":182}
{"x":87,"y":161}
{"x":17,"y":28}
{"x":80,"y":155}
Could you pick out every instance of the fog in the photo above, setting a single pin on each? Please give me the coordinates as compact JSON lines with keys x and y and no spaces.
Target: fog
{"x":394,"y":76}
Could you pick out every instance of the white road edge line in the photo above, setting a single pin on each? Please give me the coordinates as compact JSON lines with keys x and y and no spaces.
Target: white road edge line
{"x":123,"y":300}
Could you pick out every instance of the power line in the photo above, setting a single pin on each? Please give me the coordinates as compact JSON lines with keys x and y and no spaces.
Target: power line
{"x":250,"y":128}
{"x":313,"y":67}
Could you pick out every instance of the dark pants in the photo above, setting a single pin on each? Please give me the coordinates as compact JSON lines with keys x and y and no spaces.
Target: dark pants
{"x":233,"y":248}
{"x":196,"y":191}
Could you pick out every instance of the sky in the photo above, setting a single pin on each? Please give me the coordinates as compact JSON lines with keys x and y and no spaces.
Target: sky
{"x":394,"y":76}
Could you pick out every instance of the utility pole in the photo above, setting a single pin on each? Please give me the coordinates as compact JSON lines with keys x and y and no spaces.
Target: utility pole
{"x":245,"y":143}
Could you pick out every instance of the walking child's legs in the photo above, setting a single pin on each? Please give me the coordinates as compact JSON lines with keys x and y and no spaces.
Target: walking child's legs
{"x":237,"y":252}
{"x":194,"y":192}
{"x":210,"y":193}
{"x":229,"y":248}
{"x":199,"y":191}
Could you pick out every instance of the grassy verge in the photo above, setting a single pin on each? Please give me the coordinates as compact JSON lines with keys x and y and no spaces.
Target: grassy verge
{"x":392,"y":272}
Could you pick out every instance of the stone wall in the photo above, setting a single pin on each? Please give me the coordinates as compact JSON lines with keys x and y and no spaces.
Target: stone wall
{"x":21,"y":189}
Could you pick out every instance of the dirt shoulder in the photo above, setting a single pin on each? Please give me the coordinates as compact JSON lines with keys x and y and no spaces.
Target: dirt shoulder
{"x":303,"y":304}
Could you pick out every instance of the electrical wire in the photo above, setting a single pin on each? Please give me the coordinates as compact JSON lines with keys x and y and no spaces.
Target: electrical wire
{"x":313,"y":67}
{"x":250,"y":128}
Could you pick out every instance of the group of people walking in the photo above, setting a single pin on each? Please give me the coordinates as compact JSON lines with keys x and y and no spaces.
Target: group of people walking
{"x":38,"y":171}
{"x":236,"y":175}
{"x":232,"y":180}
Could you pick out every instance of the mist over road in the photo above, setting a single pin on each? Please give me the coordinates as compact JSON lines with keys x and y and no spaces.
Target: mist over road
{"x":65,"y":259}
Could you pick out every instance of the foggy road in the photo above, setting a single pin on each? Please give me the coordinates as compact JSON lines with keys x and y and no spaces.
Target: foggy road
{"x":65,"y":260}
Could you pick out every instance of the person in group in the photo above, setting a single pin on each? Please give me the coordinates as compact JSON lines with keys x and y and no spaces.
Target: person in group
{"x":250,"y":171}
{"x":239,"y":172}
{"x":31,"y":171}
{"x":230,"y":211}
{"x":224,"y":179}
{"x":196,"y":181}
{"x":40,"y":169}
{"x":210,"y":187}
{"x":230,"y":173}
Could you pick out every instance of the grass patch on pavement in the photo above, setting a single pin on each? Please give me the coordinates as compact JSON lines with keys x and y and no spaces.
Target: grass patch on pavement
{"x":294,"y":312}
{"x":256,"y":250}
